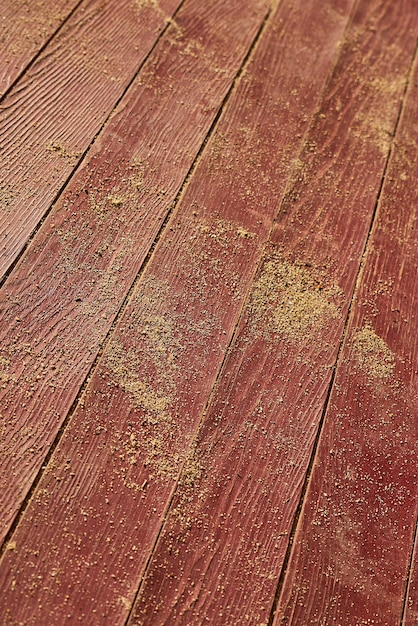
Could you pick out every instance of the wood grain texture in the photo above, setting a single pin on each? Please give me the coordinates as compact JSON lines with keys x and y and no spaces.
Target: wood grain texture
{"x":98,"y":508}
{"x":357,"y":525}
{"x":51,"y":116}
{"x":25,"y":28}
{"x":410,"y":617}
{"x":60,"y":301}
{"x":221,"y":550}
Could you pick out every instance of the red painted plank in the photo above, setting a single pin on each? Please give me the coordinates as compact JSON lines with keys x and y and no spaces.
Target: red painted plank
{"x":411,"y":599}
{"x":222,"y":548}
{"x":126,"y":441}
{"x":60,"y":301}
{"x":24,"y":29}
{"x":356,"y":531}
{"x":50,"y":117}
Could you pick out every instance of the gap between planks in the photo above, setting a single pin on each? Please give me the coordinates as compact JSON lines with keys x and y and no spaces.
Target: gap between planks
{"x":54,"y":164}
{"x":256,"y":270}
{"x":414,"y":558}
{"x":26,"y":65}
{"x":126,"y":300}
{"x":343,"y":337}
{"x":95,"y":137}
{"x":215,"y":46}
{"x":373,"y":204}
{"x":397,"y":139}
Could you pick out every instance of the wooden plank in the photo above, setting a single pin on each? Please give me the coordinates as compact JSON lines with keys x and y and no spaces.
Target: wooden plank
{"x":61,"y":299}
{"x":357,"y":526}
{"x":50,"y":118}
{"x":410,"y":617}
{"x":127,"y":439}
{"x":224,"y":541}
{"x":24,"y":29}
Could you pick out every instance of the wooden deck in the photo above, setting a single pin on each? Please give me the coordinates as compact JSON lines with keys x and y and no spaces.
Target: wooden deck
{"x":209,"y":312}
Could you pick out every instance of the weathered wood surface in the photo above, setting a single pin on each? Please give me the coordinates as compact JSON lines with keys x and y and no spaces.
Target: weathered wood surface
{"x":25,"y":27}
{"x":51,"y":116}
{"x":61,"y":299}
{"x":222,"y":547}
{"x":355,"y":536}
{"x":410,"y":617}
{"x":98,"y":507}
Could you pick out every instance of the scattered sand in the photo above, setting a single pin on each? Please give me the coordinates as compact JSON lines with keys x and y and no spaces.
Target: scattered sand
{"x":372,"y":353}
{"x":4,"y":367}
{"x":142,"y":4}
{"x":147,"y":371}
{"x":125,"y":366}
{"x":377,"y":124}
{"x":126,"y":603}
{"x":63,"y":151}
{"x":245,"y":234}
{"x":184,"y":512}
{"x":116,"y":200}
{"x":192,"y":469}
{"x":6,"y":197}
{"x":291,"y":300}
{"x":33,"y":26}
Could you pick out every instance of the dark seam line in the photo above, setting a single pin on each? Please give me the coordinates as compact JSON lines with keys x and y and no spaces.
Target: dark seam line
{"x":348,"y":319}
{"x":232,"y":340}
{"x":408,"y":578}
{"x":74,"y":404}
{"x":39,"y":52}
{"x":415,"y":538}
{"x":180,"y":194}
{"x":80,"y":161}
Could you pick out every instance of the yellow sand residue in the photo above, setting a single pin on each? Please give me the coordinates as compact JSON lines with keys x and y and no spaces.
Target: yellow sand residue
{"x":209,"y":248}
{"x":192,"y":469}
{"x":154,"y":4}
{"x":147,"y":371}
{"x":372,"y":354}
{"x":109,"y":204}
{"x":190,"y":476}
{"x":377,"y":123}
{"x":125,"y":364}
{"x":245,"y":234}
{"x":126,"y":603}
{"x":4,"y":367}
{"x":291,"y":300}
{"x":116,"y":200}
{"x":6,"y":197}
{"x":34,"y":26}
{"x":63,"y":151}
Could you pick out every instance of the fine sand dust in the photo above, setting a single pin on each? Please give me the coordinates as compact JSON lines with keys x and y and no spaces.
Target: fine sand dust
{"x":147,"y":371}
{"x":4,"y":366}
{"x":372,"y":354}
{"x":291,"y":300}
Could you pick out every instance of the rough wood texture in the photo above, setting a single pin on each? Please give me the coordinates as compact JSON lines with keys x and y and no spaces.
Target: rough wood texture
{"x":411,"y":600}
{"x":60,"y":301}
{"x":358,"y":520}
{"x":108,"y":485}
{"x":221,"y":550}
{"x":50,"y":117}
{"x":25,"y":28}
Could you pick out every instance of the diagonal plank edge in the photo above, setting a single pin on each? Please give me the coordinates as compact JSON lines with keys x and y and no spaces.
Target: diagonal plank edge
{"x":410,"y":615}
{"x":60,"y":301}
{"x":24,"y":30}
{"x":221,"y":550}
{"x":50,"y":117}
{"x":356,"y":530}
{"x":145,"y":399}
